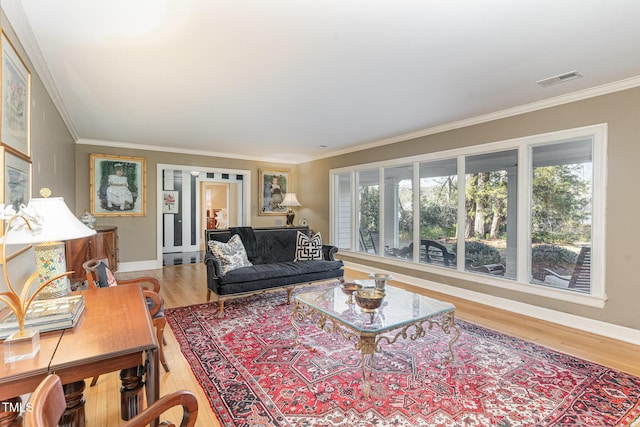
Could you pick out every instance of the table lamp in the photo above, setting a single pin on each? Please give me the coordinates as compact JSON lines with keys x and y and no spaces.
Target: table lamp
{"x":44,"y":223}
{"x":290,"y":199}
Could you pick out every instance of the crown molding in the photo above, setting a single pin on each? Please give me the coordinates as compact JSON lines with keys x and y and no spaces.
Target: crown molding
{"x":116,"y":144}
{"x":510,"y":112}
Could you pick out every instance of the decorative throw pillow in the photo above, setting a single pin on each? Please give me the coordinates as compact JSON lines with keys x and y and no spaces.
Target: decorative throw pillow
{"x":105,"y":276}
{"x":308,"y":248}
{"x":231,"y":255}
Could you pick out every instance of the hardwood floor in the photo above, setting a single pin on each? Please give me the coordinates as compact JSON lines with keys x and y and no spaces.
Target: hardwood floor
{"x":185,"y":285}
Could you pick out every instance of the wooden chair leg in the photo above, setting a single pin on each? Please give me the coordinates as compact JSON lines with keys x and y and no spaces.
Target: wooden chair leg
{"x":208,"y":295}
{"x":94,"y":380}
{"x":160,"y":323}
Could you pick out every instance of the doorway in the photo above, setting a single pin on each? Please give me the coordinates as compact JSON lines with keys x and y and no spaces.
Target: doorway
{"x":200,"y":193}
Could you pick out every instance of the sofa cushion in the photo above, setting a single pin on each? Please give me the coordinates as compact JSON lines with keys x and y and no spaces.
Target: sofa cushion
{"x":231,"y":255}
{"x":280,"y":269}
{"x":308,"y":248}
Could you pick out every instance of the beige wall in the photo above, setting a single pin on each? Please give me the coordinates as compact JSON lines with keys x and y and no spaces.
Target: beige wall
{"x":138,"y":235}
{"x":52,"y":147}
{"x":622,"y":113}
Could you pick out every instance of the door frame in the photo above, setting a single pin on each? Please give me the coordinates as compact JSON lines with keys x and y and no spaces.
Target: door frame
{"x":246,"y":197}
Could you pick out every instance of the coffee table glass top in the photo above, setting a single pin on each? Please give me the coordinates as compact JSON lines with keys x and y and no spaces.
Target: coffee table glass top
{"x":400,"y":307}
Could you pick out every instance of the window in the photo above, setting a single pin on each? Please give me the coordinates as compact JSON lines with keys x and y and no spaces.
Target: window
{"x":368,"y":210}
{"x":527,"y":214}
{"x":342,"y":210}
{"x":561,"y":215}
{"x":490,"y":229}
{"x":398,"y":211}
{"x":438,"y":212}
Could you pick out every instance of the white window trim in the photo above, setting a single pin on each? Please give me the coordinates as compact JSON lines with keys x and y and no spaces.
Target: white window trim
{"x":597,"y":132}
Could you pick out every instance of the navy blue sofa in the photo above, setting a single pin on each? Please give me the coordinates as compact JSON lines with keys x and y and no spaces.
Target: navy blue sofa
{"x":272,"y":253}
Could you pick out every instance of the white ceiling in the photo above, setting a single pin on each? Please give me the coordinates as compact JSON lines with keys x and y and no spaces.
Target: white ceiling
{"x":280,"y":79}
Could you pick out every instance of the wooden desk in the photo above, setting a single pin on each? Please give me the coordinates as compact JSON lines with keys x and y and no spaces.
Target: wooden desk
{"x":23,"y":376}
{"x":115,"y":333}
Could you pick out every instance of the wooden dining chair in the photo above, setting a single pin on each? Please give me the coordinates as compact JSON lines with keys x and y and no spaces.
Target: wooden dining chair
{"x":99,"y":275}
{"x":48,"y":405}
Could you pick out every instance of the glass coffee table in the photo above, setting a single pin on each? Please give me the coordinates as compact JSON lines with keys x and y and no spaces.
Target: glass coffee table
{"x":403,"y":314}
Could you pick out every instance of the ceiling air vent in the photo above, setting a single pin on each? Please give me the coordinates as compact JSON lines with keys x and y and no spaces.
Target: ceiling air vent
{"x":559,"y":78}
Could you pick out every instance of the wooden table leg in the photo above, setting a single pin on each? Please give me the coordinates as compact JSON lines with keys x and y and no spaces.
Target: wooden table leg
{"x":153,"y":379}
{"x":131,"y":398}
{"x":10,"y":412}
{"x":74,"y":414}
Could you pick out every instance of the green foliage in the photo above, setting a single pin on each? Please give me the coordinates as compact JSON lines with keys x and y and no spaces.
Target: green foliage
{"x":439,"y":208}
{"x":369,"y":206}
{"x":560,"y":205}
{"x":479,"y":253}
{"x":556,"y":258}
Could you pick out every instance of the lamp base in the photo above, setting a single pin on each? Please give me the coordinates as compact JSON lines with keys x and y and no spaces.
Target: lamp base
{"x":290,"y":217}
{"x":19,"y":347}
{"x":50,"y":262}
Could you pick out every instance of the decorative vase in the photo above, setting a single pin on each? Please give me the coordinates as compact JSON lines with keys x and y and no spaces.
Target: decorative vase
{"x":87,"y":219}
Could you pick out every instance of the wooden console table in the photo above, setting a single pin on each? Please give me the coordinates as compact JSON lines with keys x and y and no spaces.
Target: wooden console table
{"x":103,"y":244}
{"x":115,"y":333}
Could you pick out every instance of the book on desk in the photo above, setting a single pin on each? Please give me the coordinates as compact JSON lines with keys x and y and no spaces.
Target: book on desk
{"x":45,"y":315}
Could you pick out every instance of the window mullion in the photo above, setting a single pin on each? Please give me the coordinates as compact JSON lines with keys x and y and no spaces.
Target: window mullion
{"x":462,"y":213}
{"x":525,"y":176}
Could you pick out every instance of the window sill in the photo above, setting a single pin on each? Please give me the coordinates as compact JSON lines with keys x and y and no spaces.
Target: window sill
{"x":484,"y":279}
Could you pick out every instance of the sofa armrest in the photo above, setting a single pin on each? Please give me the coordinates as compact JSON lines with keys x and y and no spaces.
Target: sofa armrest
{"x":213,"y":271}
{"x":328,"y":251}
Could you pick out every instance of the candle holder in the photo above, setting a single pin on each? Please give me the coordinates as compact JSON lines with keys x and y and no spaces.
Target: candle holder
{"x":381,"y":280}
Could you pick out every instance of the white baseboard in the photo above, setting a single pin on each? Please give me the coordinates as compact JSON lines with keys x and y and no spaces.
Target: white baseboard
{"x":598,"y":327}
{"x":139,"y":265}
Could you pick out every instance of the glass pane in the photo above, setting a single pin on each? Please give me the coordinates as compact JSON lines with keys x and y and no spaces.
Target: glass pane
{"x":368,"y":214}
{"x":561,"y":215}
{"x":398,"y":210}
{"x":342,"y":214}
{"x":491,"y":222}
{"x":438,"y":212}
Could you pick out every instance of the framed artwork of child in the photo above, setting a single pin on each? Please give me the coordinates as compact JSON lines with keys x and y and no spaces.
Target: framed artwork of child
{"x":273,"y":185}
{"x":117,"y":185}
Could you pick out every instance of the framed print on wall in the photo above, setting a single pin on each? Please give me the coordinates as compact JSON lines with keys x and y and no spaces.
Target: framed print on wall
{"x":16,"y":100}
{"x":118,"y":185}
{"x":273,"y":185}
{"x":170,"y":202}
{"x":16,"y":179}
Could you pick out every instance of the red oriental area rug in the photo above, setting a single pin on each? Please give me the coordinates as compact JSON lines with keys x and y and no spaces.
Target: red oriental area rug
{"x":254,"y":375}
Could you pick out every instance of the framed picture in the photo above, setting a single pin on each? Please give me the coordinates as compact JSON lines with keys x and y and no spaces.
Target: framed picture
{"x":273,"y":185}
{"x":16,"y":179}
{"x":16,"y":100}
{"x":170,"y":202}
{"x":118,"y":185}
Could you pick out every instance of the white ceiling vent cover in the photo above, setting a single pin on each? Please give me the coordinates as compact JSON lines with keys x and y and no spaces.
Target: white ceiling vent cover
{"x":561,"y":78}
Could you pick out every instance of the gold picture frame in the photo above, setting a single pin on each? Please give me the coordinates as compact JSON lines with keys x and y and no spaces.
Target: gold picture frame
{"x":118,"y":185}
{"x":272,"y":186}
{"x":15,"y":90}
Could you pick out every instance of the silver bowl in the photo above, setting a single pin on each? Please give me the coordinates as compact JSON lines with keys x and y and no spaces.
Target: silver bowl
{"x":369,"y":299}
